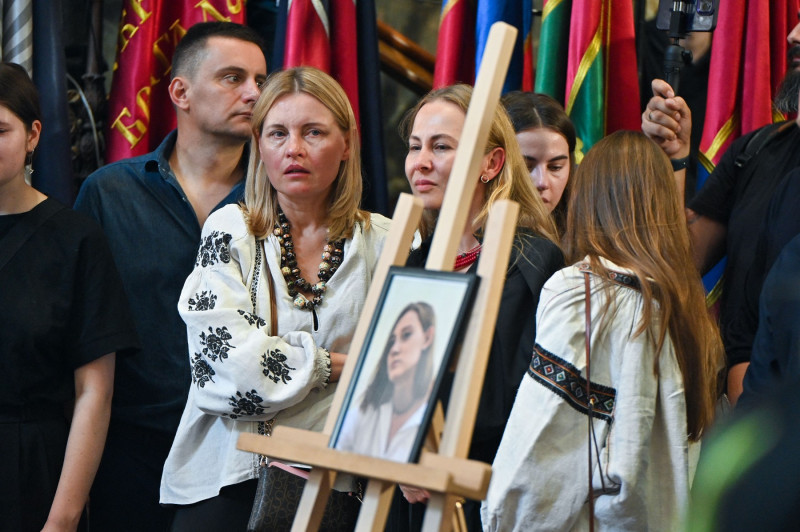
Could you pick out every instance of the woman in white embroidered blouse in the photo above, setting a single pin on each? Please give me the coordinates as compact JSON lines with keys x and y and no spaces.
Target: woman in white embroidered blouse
{"x":301,"y":201}
{"x":655,"y":353}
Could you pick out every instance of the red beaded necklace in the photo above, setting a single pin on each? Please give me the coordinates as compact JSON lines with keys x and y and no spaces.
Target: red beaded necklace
{"x":468,"y":257}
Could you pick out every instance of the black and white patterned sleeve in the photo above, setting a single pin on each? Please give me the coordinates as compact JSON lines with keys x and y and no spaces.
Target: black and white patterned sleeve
{"x":239,"y":370}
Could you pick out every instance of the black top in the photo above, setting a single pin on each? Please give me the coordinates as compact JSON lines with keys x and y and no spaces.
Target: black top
{"x":62,"y":306}
{"x":739,"y":198}
{"x":775,"y":357}
{"x":780,"y":226}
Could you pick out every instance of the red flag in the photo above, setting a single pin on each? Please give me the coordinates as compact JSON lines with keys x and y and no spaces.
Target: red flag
{"x":527,"y":62}
{"x":325,"y":39}
{"x":748,"y":62}
{"x":455,"y":47}
{"x":148,"y":34}
{"x":621,"y":75}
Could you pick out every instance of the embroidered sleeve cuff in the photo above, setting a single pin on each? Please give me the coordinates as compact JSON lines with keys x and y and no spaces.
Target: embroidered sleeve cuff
{"x":322,"y":366}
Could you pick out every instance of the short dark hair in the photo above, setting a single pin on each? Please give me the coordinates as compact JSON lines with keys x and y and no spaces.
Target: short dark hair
{"x":188,"y":52}
{"x":19,"y":94}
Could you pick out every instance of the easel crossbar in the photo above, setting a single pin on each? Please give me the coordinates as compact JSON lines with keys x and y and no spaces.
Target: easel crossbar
{"x":465,"y":478}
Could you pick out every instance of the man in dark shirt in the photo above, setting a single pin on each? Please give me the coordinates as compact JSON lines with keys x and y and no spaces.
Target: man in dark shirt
{"x":152,"y":208}
{"x":726,"y":215}
{"x":776,"y":349}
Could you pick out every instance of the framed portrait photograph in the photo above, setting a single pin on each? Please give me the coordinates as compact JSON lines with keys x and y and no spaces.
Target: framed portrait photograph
{"x":417,"y":325}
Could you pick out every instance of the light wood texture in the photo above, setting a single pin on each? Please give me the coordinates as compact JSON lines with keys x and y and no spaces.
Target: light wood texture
{"x":469,"y":154}
{"x":313,"y":501}
{"x":375,"y":510}
{"x":464,"y":397}
{"x":467,"y":478}
{"x":460,"y":418}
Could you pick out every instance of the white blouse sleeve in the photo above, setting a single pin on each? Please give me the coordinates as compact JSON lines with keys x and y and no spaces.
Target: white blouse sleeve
{"x":239,"y":370}
{"x":540,"y":470}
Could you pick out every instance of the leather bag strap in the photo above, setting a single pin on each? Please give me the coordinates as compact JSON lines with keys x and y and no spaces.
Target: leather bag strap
{"x":589,"y":399}
{"x":273,"y":306}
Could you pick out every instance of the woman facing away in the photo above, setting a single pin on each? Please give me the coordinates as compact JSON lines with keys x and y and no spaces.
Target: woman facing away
{"x":385,"y":421}
{"x":433,"y":129}
{"x":302,"y":192}
{"x":64,"y":316}
{"x":546,"y":137}
{"x":655,"y":354}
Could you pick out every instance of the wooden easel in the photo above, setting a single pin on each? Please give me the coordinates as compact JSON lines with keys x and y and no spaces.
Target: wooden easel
{"x":447,"y":474}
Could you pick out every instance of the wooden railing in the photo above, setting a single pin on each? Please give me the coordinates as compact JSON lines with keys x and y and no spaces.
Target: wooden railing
{"x":404,"y":60}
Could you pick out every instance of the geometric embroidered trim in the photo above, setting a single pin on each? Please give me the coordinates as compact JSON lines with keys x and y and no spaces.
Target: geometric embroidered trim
{"x":565,"y":380}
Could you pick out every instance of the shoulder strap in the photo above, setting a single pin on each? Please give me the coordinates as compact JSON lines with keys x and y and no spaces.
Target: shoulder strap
{"x":589,"y":398}
{"x":273,"y":307}
{"x":21,"y":232}
{"x":760,"y":139}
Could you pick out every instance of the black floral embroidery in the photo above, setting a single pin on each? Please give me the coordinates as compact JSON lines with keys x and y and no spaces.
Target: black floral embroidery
{"x":202,"y":371}
{"x":248,"y":404}
{"x":252,"y":319}
{"x":216,"y":343}
{"x":205,"y":300}
{"x":275,"y":366}
{"x":214,"y":248}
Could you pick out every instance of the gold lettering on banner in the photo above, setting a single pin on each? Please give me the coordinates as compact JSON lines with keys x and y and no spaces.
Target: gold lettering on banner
{"x":127,"y":131}
{"x":210,"y":10}
{"x":143,"y":102}
{"x":128,"y":30}
{"x":143,"y":14}
{"x":235,"y":6}
{"x":164,"y":48}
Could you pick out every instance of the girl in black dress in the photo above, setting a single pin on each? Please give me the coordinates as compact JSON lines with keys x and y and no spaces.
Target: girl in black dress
{"x":63,"y":315}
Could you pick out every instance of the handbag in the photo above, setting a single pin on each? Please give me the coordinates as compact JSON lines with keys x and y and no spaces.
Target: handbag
{"x":280,"y":486}
{"x":278,"y":496}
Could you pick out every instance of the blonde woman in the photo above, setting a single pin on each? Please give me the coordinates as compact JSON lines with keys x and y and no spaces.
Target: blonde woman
{"x":301,"y":225}
{"x":433,"y":129}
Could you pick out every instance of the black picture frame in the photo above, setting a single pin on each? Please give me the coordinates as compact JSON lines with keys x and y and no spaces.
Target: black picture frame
{"x":370,"y":407}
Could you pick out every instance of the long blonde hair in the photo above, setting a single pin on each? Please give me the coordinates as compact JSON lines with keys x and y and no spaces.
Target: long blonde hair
{"x":624,"y":206}
{"x":513,"y":182}
{"x":260,"y":198}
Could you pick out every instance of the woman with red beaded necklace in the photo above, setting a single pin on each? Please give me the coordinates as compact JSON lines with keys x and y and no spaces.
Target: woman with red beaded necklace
{"x":433,"y":128}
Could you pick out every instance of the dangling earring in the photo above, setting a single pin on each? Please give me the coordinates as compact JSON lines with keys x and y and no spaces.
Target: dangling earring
{"x":484,"y":179}
{"x":28,"y":166}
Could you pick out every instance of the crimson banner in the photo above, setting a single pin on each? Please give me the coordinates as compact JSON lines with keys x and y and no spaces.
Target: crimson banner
{"x":140,"y":113}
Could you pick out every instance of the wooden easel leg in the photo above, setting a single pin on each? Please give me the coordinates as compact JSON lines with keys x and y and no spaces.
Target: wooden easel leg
{"x":312,"y":503}
{"x":376,"y":505}
{"x":440,"y":513}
